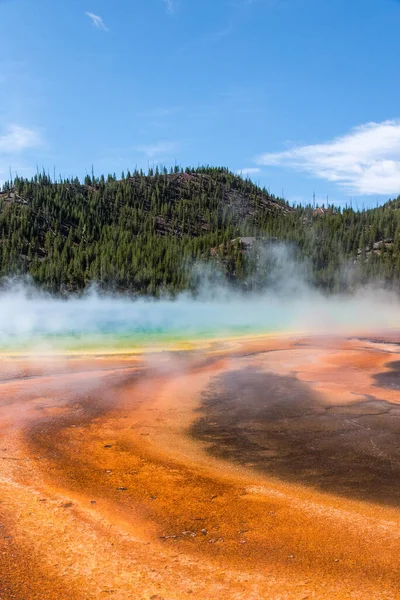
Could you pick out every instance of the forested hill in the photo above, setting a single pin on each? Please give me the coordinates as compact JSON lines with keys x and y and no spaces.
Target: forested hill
{"x":143,"y":232}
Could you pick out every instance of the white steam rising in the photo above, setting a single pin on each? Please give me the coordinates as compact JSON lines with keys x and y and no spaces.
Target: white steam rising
{"x":32,"y":319}
{"x":26,"y":320}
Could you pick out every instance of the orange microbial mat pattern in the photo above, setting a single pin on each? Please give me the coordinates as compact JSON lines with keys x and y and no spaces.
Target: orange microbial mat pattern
{"x":265,"y":468}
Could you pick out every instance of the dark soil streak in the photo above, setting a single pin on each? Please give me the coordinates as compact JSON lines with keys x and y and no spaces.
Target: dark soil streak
{"x":280,"y":426}
{"x":389,"y":379}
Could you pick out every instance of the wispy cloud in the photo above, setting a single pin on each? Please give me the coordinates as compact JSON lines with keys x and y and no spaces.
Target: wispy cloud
{"x":247,"y":171}
{"x":364,"y":161}
{"x":97,"y":21}
{"x":15,"y":139}
{"x":170,"y":5}
{"x":158,"y":150}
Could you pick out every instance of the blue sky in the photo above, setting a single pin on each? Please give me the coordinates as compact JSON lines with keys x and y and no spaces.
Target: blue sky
{"x":303,"y":95}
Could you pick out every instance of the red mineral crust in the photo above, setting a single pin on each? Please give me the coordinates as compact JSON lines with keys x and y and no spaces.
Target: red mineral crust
{"x":257,"y":469}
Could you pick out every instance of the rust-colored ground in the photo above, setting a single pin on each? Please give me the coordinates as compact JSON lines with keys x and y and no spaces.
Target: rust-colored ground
{"x":264,"y":469}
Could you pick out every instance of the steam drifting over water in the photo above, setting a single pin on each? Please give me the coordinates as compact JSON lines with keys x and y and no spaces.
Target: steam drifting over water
{"x":31,"y":320}
{"x":94,"y":321}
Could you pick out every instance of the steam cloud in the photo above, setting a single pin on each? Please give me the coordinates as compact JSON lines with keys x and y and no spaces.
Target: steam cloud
{"x":29,"y":320}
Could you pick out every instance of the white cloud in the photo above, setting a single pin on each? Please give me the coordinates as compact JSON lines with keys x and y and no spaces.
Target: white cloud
{"x":364,"y":161}
{"x":170,"y":5}
{"x":16,"y":139}
{"x":97,"y":21}
{"x":158,"y":150}
{"x":248,"y":171}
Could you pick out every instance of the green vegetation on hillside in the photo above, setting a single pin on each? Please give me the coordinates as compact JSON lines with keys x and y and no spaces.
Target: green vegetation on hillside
{"x":142,"y":233}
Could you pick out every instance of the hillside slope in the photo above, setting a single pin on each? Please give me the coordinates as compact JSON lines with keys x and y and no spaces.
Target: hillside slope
{"x":143,"y":232}
{"x":138,"y":233}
